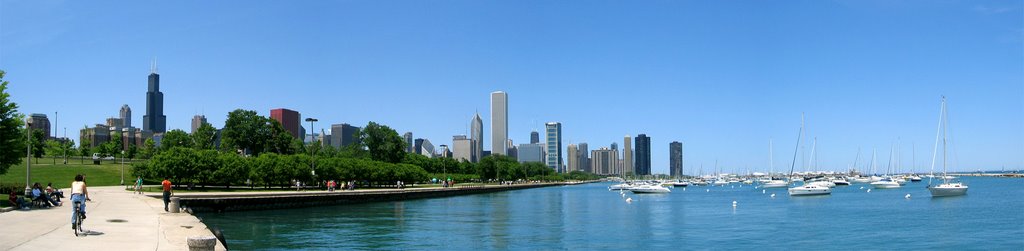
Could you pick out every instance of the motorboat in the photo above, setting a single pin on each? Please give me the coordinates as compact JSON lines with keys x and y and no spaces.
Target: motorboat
{"x":719,"y":182}
{"x":840,"y":182}
{"x":809,"y":189}
{"x":775,"y":184}
{"x":650,"y":189}
{"x":620,"y":186}
{"x":680,"y":183}
{"x":915,"y":178}
{"x":860,"y":180}
{"x":885,"y":183}
{"x":823,"y":183}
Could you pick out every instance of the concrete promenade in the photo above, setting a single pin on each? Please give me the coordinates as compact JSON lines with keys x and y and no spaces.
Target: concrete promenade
{"x":117,"y":220}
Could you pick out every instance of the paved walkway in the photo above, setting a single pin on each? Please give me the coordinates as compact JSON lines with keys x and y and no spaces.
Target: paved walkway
{"x":117,"y":220}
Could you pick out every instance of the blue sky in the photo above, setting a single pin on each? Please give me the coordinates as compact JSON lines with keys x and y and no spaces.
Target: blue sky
{"x":723,"y":77}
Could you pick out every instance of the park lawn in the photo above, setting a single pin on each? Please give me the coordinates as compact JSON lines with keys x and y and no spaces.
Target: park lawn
{"x":62,"y":175}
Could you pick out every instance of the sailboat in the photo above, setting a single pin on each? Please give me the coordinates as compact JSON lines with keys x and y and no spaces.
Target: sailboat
{"x":773,"y":183}
{"x":806,"y":189}
{"x":887,"y":181}
{"x":947,"y":188}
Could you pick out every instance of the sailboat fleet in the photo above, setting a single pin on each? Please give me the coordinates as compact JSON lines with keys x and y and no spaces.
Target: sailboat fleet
{"x":820,"y":183}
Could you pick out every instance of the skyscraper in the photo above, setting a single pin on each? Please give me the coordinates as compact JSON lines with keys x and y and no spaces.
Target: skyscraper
{"x":530,"y":153}
{"x":499,"y":122}
{"x":572,"y":158}
{"x":584,"y":158}
{"x":534,"y":137}
{"x":463,"y":148}
{"x":154,"y":121}
{"x":605,"y":162}
{"x":675,"y":162}
{"x":408,"y":142}
{"x":344,"y":134}
{"x":627,"y":154}
{"x":197,"y":121}
{"x":553,"y":136}
{"x":643,"y":155}
{"x":291,"y":120}
{"x":477,"y":137}
{"x":126,"y":116}
{"x":39,"y":121}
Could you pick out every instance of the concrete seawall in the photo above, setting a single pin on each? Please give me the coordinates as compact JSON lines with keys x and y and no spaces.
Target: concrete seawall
{"x":241,"y":201}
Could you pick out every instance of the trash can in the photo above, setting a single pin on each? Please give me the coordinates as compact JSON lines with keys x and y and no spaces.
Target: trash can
{"x":202,"y":243}
{"x":175,"y":205}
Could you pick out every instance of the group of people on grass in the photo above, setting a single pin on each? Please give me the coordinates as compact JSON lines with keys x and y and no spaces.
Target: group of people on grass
{"x":45,"y":197}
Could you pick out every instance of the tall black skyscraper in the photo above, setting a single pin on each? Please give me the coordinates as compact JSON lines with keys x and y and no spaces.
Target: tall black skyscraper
{"x":675,"y":159}
{"x":154,"y":120}
{"x":534,"y":137}
{"x":643,"y":155}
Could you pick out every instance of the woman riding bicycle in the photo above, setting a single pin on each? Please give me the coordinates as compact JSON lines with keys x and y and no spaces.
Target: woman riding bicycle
{"x":79,"y":194}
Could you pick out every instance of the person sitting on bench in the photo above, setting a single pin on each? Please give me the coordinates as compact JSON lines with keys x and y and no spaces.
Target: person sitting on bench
{"x":38,"y":195}
{"x":17,"y":202}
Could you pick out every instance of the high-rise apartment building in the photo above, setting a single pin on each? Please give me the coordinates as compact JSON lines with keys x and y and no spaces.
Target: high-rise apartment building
{"x":499,"y":123}
{"x":643,"y":155}
{"x":126,"y":116}
{"x":154,"y":121}
{"x":477,"y":138}
{"x":627,"y":154}
{"x":675,"y":161}
{"x":344,"y":134}
{"x":553,"y":139}
{"x":197,"y":121}
{"x":605,"y":161}
{"x":291,"y":120}
{"x":534,"y":137}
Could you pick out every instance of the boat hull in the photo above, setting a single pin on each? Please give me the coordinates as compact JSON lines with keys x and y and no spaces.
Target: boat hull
{"x":885,"y":185}
{"x":808,"y":191}
{"x":944,"y":191}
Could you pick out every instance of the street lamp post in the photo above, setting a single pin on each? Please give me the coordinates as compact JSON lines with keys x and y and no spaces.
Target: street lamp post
{"x":28,"y":156}
{"x":122,"y":167}
{"x":312,"y":155}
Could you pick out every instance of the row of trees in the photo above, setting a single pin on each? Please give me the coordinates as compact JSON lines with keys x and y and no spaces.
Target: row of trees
{"x":209,"y":167}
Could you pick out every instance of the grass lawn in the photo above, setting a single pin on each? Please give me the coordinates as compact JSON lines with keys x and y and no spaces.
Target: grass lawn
{"x":61,"y":175}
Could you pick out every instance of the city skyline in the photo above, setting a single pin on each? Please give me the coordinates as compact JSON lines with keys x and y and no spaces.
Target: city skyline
{"x":724,"y":95}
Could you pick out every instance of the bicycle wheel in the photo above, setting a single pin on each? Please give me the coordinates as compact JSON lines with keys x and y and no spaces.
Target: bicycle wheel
{"x":78,"y":224}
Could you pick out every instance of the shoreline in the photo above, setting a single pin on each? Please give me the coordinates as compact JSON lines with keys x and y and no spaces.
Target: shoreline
{"x":245,"y":201}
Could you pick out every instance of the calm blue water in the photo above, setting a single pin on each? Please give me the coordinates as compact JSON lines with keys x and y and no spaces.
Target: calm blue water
{"x":589,"y":216}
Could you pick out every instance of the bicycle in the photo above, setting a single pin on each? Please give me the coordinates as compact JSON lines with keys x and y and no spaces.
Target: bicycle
{"x":79,"y":217}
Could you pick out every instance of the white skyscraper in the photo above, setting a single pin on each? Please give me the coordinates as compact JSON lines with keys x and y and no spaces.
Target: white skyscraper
{"x":499,"y":122}
{"x":477,"y":138}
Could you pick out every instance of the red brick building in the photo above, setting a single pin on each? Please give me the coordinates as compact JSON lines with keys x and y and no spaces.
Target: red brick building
{"x":291,"y":120}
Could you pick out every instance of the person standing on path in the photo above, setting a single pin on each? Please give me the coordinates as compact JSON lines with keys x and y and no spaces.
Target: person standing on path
{"x":167,"y":192}
{"x":138,"y":185}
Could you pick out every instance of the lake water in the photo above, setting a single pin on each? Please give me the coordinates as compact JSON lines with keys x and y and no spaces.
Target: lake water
{"x":588,"y":217}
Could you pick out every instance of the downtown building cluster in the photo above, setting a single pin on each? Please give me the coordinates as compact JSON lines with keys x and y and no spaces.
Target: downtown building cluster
{"x":544,"y":147}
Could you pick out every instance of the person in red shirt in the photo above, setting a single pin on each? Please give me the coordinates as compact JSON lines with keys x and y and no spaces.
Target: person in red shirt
{"x":167,"y":192}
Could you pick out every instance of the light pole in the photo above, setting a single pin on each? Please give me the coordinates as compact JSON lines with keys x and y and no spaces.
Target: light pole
{"x":312,"y":155}
{"x":28,"y":156}
{"x":122,"y":167}
{"x":65,"y":145}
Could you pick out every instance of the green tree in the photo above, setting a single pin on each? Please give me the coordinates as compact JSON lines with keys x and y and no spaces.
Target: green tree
{"x":278,"y":140}
{"x":38,"y":144}
{"x":244,"y":131}
{"x":175,"y":138}
{"x":85,"y":150}
{"x":12,"y":137}
{"x":53,"y":149}
{"x":383,"y":143}
{"x":204,"y":137}
{"x":148,"y":149}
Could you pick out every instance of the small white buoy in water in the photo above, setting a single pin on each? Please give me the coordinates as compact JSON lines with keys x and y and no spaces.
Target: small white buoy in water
{"x":773,"y":196}
{"x":734,"y":203}
{"x":708,"y":190}
{"x":764,"y":191}
{"x":684,"y":188}
{"x":629,"y":200}
{"x":732,"y":186}
{"x":869,"y":190}
{"x":623,"y":195}
{"x":908,"y":196}
{"x":861,"y":188}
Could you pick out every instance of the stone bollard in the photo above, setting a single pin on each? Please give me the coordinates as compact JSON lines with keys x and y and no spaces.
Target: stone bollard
{"x":175,"y":205}
{"x":202,"y":243}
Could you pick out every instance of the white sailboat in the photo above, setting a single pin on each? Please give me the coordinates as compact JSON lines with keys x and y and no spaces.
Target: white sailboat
{"x":807,"y":188}
{"x":887,"y":182}
{"x":947,"y":188}
{"x":773,"y":183}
